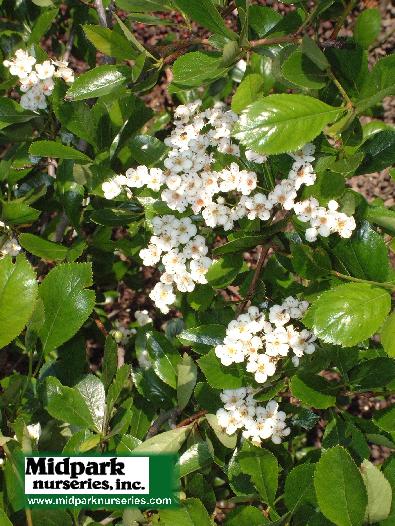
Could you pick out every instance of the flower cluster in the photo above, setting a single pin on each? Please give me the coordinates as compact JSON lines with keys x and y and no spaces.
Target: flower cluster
{"x":258,"y":423}
{"x":36,"y":79}
{"x":264,"y":342}
{"x":9,"y":246}
{"x":183,"y":255}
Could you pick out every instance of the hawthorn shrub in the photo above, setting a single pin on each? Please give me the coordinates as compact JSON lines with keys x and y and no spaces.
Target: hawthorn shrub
{"x":201,"y":279}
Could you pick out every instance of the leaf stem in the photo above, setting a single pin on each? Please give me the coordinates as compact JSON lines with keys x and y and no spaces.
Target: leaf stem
{"x":384,"y":285}
{"x":347,"y":100}
{"x":251,"y":290}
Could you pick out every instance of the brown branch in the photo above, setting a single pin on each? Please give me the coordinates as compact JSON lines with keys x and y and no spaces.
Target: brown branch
{"x":251,"y":290}
{"x":105,"y":22}
{"x":192,"y":418}
{"x":162,"y":418}
{"x":100,"y":325}
{"x":273,"y":41}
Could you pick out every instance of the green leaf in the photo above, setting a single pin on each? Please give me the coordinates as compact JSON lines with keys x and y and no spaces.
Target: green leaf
{"x":109,"y":42}
{"x":4,"y":520}
{"x":339,"y":487}
{"x":17,"y":212}
{"x":205,"y":14}
{"x":308,"y":262}
{"x":77,"y":118}
{"x":228,"y":441}
{"x":12,"y":113}
{"x":165,"y":358}
{"x":65,"y":298}
{"x":263,"y":19}
{"x":191,"y":513}
{"x":127,"y":444}
{"x":313,"y":52}
{"x":57,"y":150}
{"x":379,"y":152}
{"x":374,"y":373}
{"x":355,"y":254}
{"x":167,"y":442}
{"x":146,"y":149}
{"x":283,"y":123}
{"x":197,"y":68}
{"x":202,"y":338}
{"x":143,"y":5}
{"x":367,"y":27}
{"x":117,"y":385}
{"x":223,"y":271}
{"x":313,"y":390}
{"x":299,"y":487}
{"x":378,"y":84}
{"x":18,"y":294}
{"x":92,"y":391}
{"x":186,"y":380}
{"x":387,"y":335}
{"x":42,"y":248}
{"x":97,"y":82}
{"x":110,"y":361}
{"x":382,"y":216}
{"x":300,"y":70}
{"x":66,"y":404}
{"x":41,"y":25}
{"x":262,"y":466}
{"x":50,"y":517}
{"x":379,"y":493}
{"x":249,"y":90}
{"x":197,"y":457}
{"x":385,"y":419}
{"x":389,"y":472}
{"x":348,"y":314}
{"x":245,"y":516}
{"x":218,"y":375}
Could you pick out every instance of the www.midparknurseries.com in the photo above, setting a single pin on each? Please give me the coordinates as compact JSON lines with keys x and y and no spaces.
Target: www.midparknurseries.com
{"x":100,"y":481}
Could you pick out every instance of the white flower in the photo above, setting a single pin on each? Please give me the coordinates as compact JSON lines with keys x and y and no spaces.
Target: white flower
{"x":279,"y":315}
{"x":302,"y":175}
{"x":155,"y":179}
{"x":142,"y":317}
{"x":45,"y":70}
{"x":262,"y":367}
{"x":311,"y":234}
{"x":259,"y":206}
{"x":231,"y":352}
{"x":255,"y":157}
{"x":199,"y":268}
{"x":150,"y":255}
{"x":111,"y":189}
{"x":34,"y":431}
{"x":163,"y":295}
{"x":277,"y":342}
{"x":11,"y":247}
{"x":21,"y":65}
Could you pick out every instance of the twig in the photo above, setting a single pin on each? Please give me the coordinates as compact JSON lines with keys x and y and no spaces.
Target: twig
{"x":162,"y":418}
{"x":100,"y":325}
{"x":342,"y":91}
{"x":192,"y":418}
{"x":251,"y":290}
{"x":342,"y":18}
{"x":69,"y":46}
{"x":274,"y":41}
{"x":388,"y":286}
{"x":105,"y":22}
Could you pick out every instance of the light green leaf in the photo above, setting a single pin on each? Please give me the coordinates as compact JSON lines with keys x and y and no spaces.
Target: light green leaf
{"x":197,"y":68}
{"x":367,"y":27}
{"x":385,"y":419}
{"x":92,"y":391}
{"x":389,"y":472}
{"x":218,"y":375}
{"x":313,"y":52}
{"x":4,"y":520}
{"x":186,"y":380}
{"x":17,"y":212}
{"x":313,"y":390}
{"x":246,"y":516}
{"x":223,"y":271}
{"x":262,"y":466}
{"x":42,"y":25}
{"x":283,"y":123}
{"x":191,"y":513}
{"x":299,"y":486}
{"x":143,"y":6}
{"x":167,"y":442}
{"x":50,"y":517}
{"x":109,"y":42}
{"x":127,"y":444}
{"x":387,"y":335}
{"x":18,"y":294}
{"x":195,"y":458}
{"x":339,"y":487}
{"x":379,"y":493}
{"x":202,"y":338}
{"x":42,"y":248}
{"x":228,"y":441}
{"x":97,"y":82}
{"x":348,"y":314}
{"x":248,"y":91}
{"x":378,"y":84}
{"x":165,"y":358}
{"x":66,"y":404}
{"x":65,"y":298}
{"x":300,"y":70}
{"x":57,"y":150}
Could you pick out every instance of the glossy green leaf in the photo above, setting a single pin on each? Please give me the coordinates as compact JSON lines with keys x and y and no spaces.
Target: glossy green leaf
{"x":379,"y":152}
{"x":42,"y":248}
{"x":48,"y":517}
{"x":12,"y":113}
{"x":263,"y":19}
{"x":197,"y":68}
{"x":202,"y":338}
{"x":186,"y":380}
{"x":246,"y":516}
{"x":379,"y":493}
{"x":205,"y":14}
{"x":195,"y":458}
{"x":226,"y":440}
{"x":340,"y":490}
{"x":17,"y":212}
{"x":300,"y":70}
{"x":191,"y":513}
{"x":379,"y":83}
{"x":313,"y":52}
{"x":42,"y":25}
{"x":65,"y":297}
{"x":348,"y":314}
{"x":374,"y":373}
{"x":283,"y":123}
{"x":167,"y":442}
{"x":66,"y":404}
{"x":382,"y":216}
{"x":223,"y":271}
{"x":367,"y":27}
{"x":218,"y":375}
{"x":313,"y":390}
{"x":165,"y":358}
{"x":92,"y":390}
{"x":109,"y":42}
{"x":146,"y":149}
{"x":387,"y":335}
{"x":262,"y":466}
{"x":57,"y":150}
{"x":385,"y":419}
{"x":308,"y":262}
{"x":143,"y":5}
{"x":249,"y":90}
{"x":299,"y":486}
{"x":18,"y":294}
{"x":117,"y":385}
{"x":97,"y":82}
